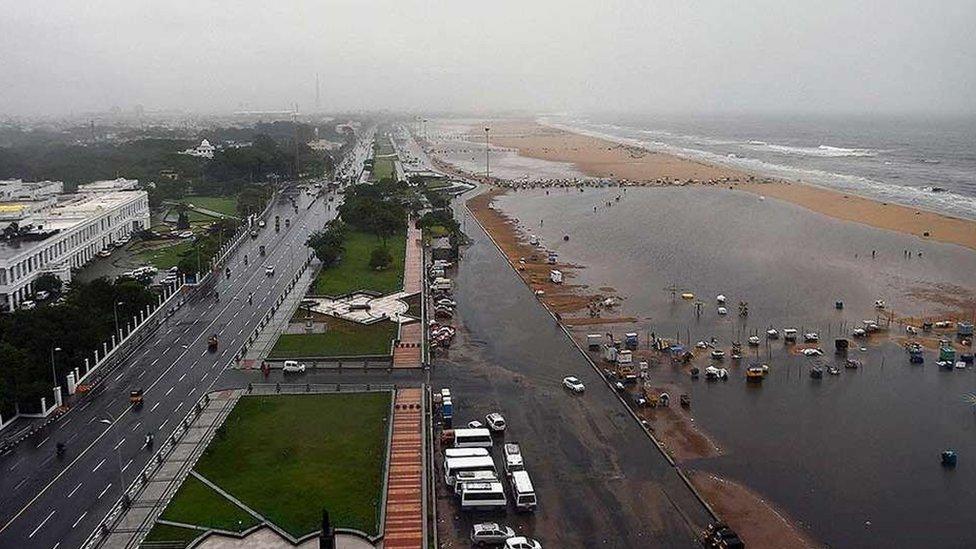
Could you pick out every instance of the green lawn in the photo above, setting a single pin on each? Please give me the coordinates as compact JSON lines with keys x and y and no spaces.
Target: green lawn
{"x":172,"y":535}
{"x":343,"y":338}
{"x":196,"y":503}
{"x":164,"y":258}
{"x":226,"y":205}
{"x":353,"y":272}
{"x":289,"y":456}
{"x":382,"y":168}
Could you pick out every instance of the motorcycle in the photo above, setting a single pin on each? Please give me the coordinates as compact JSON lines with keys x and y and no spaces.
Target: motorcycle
{"x":149,"y":440}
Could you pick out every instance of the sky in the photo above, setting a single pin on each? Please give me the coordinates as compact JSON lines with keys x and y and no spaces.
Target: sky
{"x":69,"y":57}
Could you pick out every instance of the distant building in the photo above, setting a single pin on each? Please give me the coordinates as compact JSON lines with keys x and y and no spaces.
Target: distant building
{"x":120,"y":184}
{"x":16,"y":189}
{"x":58,"y":234}
{"x":203,"y":150}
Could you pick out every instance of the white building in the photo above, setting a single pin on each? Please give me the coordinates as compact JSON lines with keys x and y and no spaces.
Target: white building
{"x":65,"y":237}
{"x":109,"y":185}
{"x":203,"y":150}
{"x":16,"y":189}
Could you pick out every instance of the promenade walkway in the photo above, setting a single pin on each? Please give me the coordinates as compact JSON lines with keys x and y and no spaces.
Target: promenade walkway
{"x":408,"y":353}
{"x":403,"y":528}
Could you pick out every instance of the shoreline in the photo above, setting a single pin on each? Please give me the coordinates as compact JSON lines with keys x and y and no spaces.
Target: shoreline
{"x":600,"y":158}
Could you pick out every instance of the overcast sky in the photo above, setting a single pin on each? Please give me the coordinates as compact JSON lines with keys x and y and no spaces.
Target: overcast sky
{"x":59,"y":57}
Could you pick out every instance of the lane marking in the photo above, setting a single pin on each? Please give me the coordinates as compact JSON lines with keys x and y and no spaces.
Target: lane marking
{"x":120,"y":443}
{"x":42,"y":524}
{"x":170,"y":390}
{"x":163,"y":424}
{"x":41,"y":443}
{"x":79,"y":520}
{"x":136,"y":426}
{"x":153,"y":409}
{"x":181,"y":377}
{"x":177,"y":409}
{"x":99,"y":465}
{"x":19,"y":484}
{"x":75,"y":490}
{"x":127,"y":465}
{"x":103,"y":491}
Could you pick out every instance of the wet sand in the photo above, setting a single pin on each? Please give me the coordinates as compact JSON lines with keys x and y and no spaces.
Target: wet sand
{"x":605,"y":159}
{"x":567,"y":300}
{"x":756,"y":521}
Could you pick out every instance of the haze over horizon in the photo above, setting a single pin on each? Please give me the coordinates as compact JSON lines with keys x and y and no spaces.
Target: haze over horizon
{"x":838,"y":57}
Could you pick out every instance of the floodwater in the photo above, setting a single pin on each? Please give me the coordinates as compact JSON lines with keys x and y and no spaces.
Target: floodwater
{"x":853,"y":457}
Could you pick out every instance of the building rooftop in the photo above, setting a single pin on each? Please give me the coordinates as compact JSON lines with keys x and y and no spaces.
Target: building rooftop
{"x":61,"y":218}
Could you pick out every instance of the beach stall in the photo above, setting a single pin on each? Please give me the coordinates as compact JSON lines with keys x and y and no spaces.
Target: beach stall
{"x":556,"y":276}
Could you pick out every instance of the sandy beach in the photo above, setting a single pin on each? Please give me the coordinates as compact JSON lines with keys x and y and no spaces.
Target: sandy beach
{"x":605,"y":159}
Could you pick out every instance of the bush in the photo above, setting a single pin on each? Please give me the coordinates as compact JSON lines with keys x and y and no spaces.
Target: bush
{"x":380,"y":259}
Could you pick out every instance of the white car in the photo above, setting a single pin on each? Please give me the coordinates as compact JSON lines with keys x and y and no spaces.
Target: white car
{"x":27,"y":305}
{"x":42,"y":295}
{"x":573,"y":384}
{"x":269,"y":270}
{"x":445,"y":302}
{"x":293,"y":366}
{"x":261,"y":223}
{"x":475,"y":424}
{"x":490,"y":533}
{"x":811,"y":337}
{"x":522,"y":542}
{"x":495,"y":422}
{"x":812,"y":352}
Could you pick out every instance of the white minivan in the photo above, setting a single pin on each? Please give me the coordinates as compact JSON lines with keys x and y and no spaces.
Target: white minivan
{"x":472,"y":438}
{"x":523,"y":491}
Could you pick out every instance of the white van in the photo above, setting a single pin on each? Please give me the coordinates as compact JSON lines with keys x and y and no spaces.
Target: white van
{"x":465,"y":452}
{"x":522,"y":491}
{"x":452,"y":466}
{"x":472,"y":438}
{"x":463,"y":477}
{"x":513,"y":458}
{"x":441,"y":283}
{"x":483,"y":496}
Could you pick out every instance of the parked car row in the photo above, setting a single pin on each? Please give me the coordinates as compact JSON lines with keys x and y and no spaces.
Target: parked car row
{"x":470,"y":473}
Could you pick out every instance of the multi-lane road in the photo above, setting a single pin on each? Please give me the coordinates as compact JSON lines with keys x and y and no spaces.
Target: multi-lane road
{"x":50,"y":502}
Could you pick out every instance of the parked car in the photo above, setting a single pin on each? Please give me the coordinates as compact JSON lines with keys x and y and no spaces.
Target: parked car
{"x":27,"y":305}
{"x":522,"y":542}
{"x":269,"y":270}
{"x":446,"y":302}
{"x":475,"y":424}
{"x":573,"y":384}
{"x":495,"y":422}
{"x":293,"y":366}
{"x":261,"y":223}
{"x":812,"y":352}
{"x":42,"y":295}
{"x":490,"y":533}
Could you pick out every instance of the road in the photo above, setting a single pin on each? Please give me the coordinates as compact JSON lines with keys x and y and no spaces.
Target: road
{"x":600,"y":480}
{"x":51,"y":502}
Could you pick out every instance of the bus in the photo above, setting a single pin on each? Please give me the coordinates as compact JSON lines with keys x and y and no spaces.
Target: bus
{"x":474,"y":463}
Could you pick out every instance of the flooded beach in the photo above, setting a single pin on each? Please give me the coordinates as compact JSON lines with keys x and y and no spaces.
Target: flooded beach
{"x":853,"y":457}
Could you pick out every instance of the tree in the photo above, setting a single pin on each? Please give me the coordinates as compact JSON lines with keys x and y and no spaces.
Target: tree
{"x":380,"y":259}
{"x":327,"y":243}
{"x":48,"y":282}
{"x":183,"y":220}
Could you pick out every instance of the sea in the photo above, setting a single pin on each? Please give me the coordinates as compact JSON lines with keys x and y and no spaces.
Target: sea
{"x":920,"y":161}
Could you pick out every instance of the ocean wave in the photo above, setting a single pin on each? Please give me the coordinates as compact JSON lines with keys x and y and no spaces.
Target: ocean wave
{"x":949,"y":202}
{"x":824,"y":151}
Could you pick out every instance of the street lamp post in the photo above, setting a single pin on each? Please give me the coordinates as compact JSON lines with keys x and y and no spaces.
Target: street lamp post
{"x":115,"y":313}
{"x":487,"y":170}
{"x":54,"y":374}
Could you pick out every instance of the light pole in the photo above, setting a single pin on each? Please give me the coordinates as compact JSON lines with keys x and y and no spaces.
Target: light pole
{"x":54,"y":374}
{"x":487,"y":170}
{"x":115,"y":313}
{"x":118,"y":455}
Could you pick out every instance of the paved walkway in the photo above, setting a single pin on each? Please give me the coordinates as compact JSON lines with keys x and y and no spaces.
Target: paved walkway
{"x":266,"y":538}
{"x":409,"y":351}
{"x":403,"y":528}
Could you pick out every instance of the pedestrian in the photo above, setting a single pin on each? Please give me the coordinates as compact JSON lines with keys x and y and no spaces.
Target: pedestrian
{"x":873,"y":252}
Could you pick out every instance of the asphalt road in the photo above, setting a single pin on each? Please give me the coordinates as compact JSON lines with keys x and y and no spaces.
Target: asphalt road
{"x":600,"y":480}
{"x":51,"y":502}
